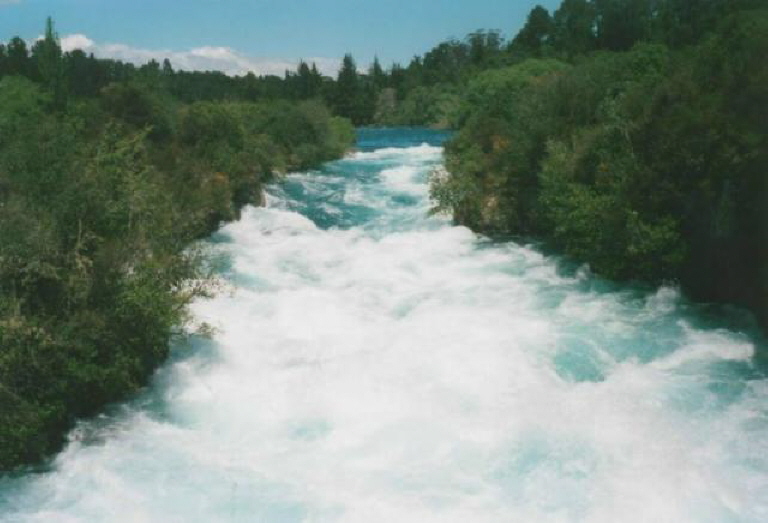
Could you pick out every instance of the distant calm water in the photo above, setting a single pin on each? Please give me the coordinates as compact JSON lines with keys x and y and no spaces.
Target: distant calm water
{"x":372,"y":364}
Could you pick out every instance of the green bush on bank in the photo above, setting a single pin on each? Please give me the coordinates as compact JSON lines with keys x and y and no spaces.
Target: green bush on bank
{"x":100,"y":200}
{"x":648,"y":164}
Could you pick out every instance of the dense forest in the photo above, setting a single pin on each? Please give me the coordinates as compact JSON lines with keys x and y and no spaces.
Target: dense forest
{"x":106,"y":179}
{"x":629,"y":134}
{"x":432,"y":89}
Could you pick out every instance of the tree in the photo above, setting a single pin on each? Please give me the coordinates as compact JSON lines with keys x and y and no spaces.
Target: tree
{"x":622,"y":23}
{"x":151,"y":70}
{"x":376,"y":73}
{"x":317,"y":80}
{"x":574,"y":27}
{"x":446,"y":62}
{"x":348,"y":90}
{"x":308,"y":81}
{"x":3,"y":60}
{"x":483,"y":46}
{"x":167,"y":68}
{"x":535,"y":34}
{"x":47,"y":55}
{"x":684,"y":22}
{"x":18,"y":57}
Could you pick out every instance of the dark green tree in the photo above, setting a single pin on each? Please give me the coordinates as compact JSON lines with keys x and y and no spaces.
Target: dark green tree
{"x":46,"y":54}
{"x":574,"y":27}
{"x":446,"y":63}
{"x":151,"y":71}
{"x":348,"y":91}
{"x":317,"y":80}
{"x":535,"y":34}
{"x":167,"y":68}
{"x":622,"y":23}
{"x":3,"y":61}
{"x":308,"y":81}
{"x":683,"y":22}
{"x":18,"y":57}
{"x":376,"y":74}
{"x":484,"y":46}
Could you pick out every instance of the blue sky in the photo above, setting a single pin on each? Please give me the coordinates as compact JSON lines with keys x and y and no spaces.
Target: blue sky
{"x":264,"y":30}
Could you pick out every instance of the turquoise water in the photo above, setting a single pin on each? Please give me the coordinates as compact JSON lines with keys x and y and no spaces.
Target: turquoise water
{"x":373,"y":364}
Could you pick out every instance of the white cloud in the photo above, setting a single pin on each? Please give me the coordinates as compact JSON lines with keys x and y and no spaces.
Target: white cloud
{"x":76,"y":41}
{"x":210,"y":58}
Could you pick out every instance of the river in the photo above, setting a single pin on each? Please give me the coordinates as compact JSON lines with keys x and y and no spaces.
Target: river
{"x":373,"y":364}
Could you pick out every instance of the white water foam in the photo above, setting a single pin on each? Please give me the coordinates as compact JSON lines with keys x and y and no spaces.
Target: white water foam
{"x":423,"y":375}
{"x":421,"y":152}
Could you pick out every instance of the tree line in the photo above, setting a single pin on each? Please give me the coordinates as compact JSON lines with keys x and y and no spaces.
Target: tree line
{"x":629,"y":134}
{"x":426,"y":91}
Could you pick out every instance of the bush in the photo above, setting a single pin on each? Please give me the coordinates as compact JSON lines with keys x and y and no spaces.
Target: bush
{"x":98,"y":206}
{"x":647,"y":164}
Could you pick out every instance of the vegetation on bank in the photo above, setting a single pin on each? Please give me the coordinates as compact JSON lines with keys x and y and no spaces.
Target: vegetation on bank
{"x":102,"y":191}
{"x":630,"y":134}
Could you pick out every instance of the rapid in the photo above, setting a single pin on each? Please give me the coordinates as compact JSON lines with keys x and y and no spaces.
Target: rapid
{"x":372,"y":363}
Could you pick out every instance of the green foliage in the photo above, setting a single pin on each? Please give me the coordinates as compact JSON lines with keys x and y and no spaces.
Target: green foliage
{"x":437,"y":105}
{"x":138,"y":106}
{"x":101,"y":198}
{"x":590,"y":209}
{"x":499,"y":92}
{"x":536,"y":35}
{"x":644,"y":160}
{"x":46,"y":53}
{"x":17,"y":58}
{"x":578,"y":29}
{"x":622,"y":23}
{"x":353,"y":96}
{"x":573,"y":32}
{"x":499,"y":146}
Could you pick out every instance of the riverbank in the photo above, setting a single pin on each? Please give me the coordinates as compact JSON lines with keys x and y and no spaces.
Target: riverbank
{"x":372,"y":361}
{"x":101,"y":202}
{"x":647,"y":164}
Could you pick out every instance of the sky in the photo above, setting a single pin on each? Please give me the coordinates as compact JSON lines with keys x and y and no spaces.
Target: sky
{"x":265,"y":36}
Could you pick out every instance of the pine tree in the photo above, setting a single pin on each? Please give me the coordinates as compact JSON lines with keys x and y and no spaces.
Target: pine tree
{"x":167,"y":68}
{"x":574,"y":23}
{"x":348,"y":89}
{"x":305,"y":81}
{"x":378,"y":78}
{"x":18,"y":57}
{"x":535,"y":34}
{"x":3,"y":61}
{"x":47,"y":55}
{"x":622,"y":23}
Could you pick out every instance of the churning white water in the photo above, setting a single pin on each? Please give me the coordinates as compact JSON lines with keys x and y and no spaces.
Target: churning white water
{"x":372,"y":364}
